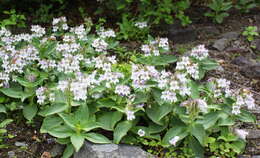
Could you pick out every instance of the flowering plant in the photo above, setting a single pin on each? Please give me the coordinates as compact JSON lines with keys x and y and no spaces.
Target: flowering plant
{"x":73,"y":80}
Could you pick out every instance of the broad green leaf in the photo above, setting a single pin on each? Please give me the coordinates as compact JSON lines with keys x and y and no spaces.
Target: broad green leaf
{"x":210,"y":119}
{"x":121,"y":130}
{"x":140,"y":97}
{"x":226,"y":122}
{"x":156,"y":112}
{"x":246,"y":116}
{"x":209,"y":64}
{"x":63,"y":141}
{"x":97,"y":138}
{"x":198,"y":131}
{"x":238,"y":146}
{"x":155,"y":128}
{"x":194,"y":89}
{"x":157,"y":96}
{"x":109,"y":103}
{"x":68,"y":152}
{"x":108,"y":120}
{"x":196,"y":147}
{"x":2,"y":109}
{"x":53,"y":109}
{"x":77,"y":141}
{"x":89,"y":125}
{"x":29,"y":111}
{"x":69,"y":120}
{"x":82,"y":113}
{"x":4,"y":123}
{"x":16,"y":93}
{"x":61,"y":131}
{"x":180,"y":131}
{"x":50,"y":123}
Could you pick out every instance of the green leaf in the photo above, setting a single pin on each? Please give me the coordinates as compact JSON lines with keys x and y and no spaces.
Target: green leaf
{"x":157,"y":96}
{"x":121,"y":130}
{"x":196,"y":147}
{"x":97,"y":138}
{"x":109,"y":103}
{"x":246,"y":116}
{"x":82,"y":113}
{"x":208,"y":64}
{"x":194,"y":89}
{"x":50,"y":123}
{"x":4,"y":123}
{"x":180,"y":131}
{"x":68,"y":152}
{"x":155,"y":128}
{"x":2,"y":109}
{"x":77,"y":141}
{"x":157,"y":60}
{"x":210,"y":119}
{"x":108,"y":120}
{"x":226,"y":122}
{"x":69,"y":120}
{"x":53,"y":109}
{"x":238,"y":146}
{"x":140,"y":97}
{"x":198,"y":132}
{"x":61,"y":131}
{"x":16,"y":93}
{"x":156,"y":112}
{"x":29,"y":111}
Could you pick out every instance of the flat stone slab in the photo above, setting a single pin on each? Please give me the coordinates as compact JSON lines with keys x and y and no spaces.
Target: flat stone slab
{"x":90,"y":150}
{"x":253,"y":134}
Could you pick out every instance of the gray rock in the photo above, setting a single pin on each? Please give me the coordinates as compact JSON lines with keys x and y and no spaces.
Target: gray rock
{"x":221,"y":44}
{"x":252,"y":71}
{"x":256,"y":156}
{"x":257,"y":43}
{"x":20,"y":144}
{"x":230,"y":35}
{"x":209,"y":31}
{"x":253,"y":134}
{"x":180,"y":34}
{"x":57,"y":150}
{"x":90,"y":150}
{"x":241,"y":61}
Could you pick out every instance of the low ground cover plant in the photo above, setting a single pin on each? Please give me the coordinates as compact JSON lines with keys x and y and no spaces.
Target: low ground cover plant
{"x":73,"y":81}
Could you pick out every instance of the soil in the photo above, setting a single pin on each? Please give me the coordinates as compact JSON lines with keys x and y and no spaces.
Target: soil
{"x":37,"y":145}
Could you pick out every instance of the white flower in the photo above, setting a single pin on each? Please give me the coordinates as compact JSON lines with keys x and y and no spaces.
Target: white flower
{"x":202,"y":105}
{"x":241,"y":133}
{"x":141,"y":132}
{"x":163,"y":43}
{"x":106,"y":33}
{"x":141,"y":25}
{"x":236,"y":110}
{"x":174,"y":140}
{"x":63,"y":85}
{"x":122,"y":90}
{"x":130,"y":115}
{"x":223,"y":83}
{"x":37,"y":30}
{"x":200,"y":52}
{"x":40,"y":93}
{"x":249,"y":101}
{"x":169,"y":96}
{"x":100,"y":45}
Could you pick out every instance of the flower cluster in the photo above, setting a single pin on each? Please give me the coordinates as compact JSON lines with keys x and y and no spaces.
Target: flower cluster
{"x":59,"y":24}
{"x":141,"y":25}
{"x":188,"y":66}
{"x":154,"y":47}
{"x":199,"y":52}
